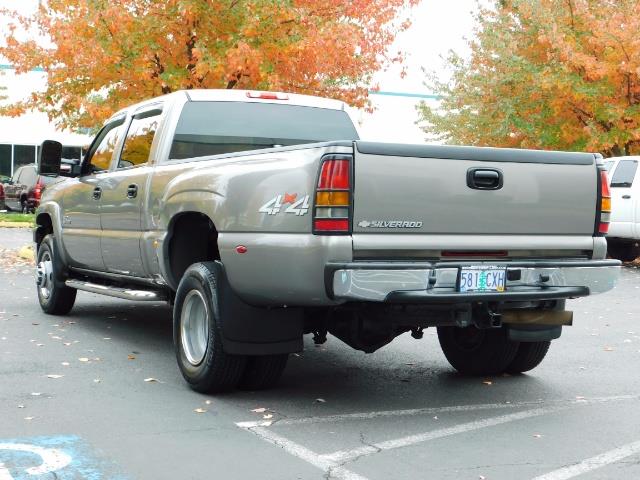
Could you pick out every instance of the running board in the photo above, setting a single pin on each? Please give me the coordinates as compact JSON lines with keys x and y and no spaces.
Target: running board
{"x":119,"y":292}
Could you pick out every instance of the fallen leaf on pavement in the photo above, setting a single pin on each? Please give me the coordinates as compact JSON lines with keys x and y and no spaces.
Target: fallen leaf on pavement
{"x":267,"y":416}
{"x":321,"y":400}
{"x":55,"y":337}
{"x":537,"y":435}
{"x":266,"y":424}
{"x":36,"y":394}
{"x":65,"y":364}
{"x":66,"y":344}
{"x":83,"y":359}
{"x":107,"y":338}
{"x":29,"y":418}
{"x":200,"y":410}
{"x":20,"y":406}
{"x":131,"y":357}
{"x":259,"y":410}
{"x":96,"y":380}
{"x":150,"y":379}
{"x":488,"y":382}
{"x":608,"y":349}
{"x":208,"y":402}
{"x":54,"y":376}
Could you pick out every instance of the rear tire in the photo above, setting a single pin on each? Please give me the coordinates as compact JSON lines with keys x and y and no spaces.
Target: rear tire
{"x":54,"y":296}
{"x":263,"y":371}
{"x":529,"y":356}
{"x":197,"y":333}
{"x":474,"y":351}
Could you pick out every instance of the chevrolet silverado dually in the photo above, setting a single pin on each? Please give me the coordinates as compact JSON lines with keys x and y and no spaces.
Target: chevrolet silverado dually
{"x":262,"y":217}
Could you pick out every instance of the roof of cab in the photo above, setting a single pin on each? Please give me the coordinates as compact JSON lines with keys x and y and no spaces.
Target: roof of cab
{"x":231,"y":95}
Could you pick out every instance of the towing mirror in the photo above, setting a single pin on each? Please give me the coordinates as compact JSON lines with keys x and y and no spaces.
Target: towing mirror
{"x":50,"y":158}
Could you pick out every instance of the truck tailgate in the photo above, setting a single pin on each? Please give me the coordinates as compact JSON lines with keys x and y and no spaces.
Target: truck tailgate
{"x":443,"y":190}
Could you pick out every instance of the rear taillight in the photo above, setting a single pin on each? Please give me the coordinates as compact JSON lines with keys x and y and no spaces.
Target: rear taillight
{"x":605,"y":204}
{"x":38,"y":189}
{"x":332,"y":207}
{"x":1,"y":192}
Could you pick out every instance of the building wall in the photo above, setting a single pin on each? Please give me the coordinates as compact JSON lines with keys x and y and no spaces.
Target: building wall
{"x":20,"y":136}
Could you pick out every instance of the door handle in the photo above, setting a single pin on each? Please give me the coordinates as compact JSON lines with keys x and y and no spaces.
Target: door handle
{"x":132,"y":191}
{"x":97,"y":193}
{"x":484,"y":179}
{"x":626,"y":196}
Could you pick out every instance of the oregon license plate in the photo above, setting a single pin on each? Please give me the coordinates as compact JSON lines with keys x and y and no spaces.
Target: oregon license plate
{"x":482,"y":279}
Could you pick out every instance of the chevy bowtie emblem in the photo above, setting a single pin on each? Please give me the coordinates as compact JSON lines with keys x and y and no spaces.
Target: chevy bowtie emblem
{"x":364,"y":224}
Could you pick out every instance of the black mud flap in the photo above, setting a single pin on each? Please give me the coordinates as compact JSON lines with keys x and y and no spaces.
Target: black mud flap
{"x":534,"y":333}
{"x":249,"y":330}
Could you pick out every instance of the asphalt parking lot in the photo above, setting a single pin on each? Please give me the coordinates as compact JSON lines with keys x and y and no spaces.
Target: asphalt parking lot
{"x":97,"y":395}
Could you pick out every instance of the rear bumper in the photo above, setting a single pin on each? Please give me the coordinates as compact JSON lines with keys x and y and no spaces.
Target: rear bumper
{"x":436,"y":282}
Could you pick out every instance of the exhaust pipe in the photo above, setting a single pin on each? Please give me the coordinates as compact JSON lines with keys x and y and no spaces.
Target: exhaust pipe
{"x":537,"y":317}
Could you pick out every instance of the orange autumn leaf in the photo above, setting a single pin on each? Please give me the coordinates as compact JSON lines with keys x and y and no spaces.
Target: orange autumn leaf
{"x":545,"y":74}
{"x":100,"y":55}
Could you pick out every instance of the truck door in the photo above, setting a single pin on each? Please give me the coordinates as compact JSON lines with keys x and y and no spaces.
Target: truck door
{"x":81,"y":228}
{"x":623,"y":200}
{"x":123,"y":198}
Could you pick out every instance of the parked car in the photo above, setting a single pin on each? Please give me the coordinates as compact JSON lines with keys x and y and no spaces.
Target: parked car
{"x":623,"y":239}
{"x":261,"y":217}
{"x":24,"y":190}
{"x":2,"y":205}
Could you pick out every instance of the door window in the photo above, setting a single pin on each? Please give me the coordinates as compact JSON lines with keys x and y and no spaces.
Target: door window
{"x":137,"y":145}
{"x":28,"y":176}
{"x":101,"y":151}
{"x":624,"y":173}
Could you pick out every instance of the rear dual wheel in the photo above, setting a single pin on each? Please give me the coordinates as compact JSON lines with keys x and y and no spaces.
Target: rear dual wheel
{"x":474,"y":351}
{"x":198,"y":340}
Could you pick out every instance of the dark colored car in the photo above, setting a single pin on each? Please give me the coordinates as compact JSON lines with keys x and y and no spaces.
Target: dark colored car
{"x":22,"y":193}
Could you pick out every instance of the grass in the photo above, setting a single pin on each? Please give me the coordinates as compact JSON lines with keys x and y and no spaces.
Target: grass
{"x":25,"y":218}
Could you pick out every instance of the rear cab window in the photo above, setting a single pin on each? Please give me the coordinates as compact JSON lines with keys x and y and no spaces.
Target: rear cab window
{"x":624,"y":173}
{"x":213,"y":128}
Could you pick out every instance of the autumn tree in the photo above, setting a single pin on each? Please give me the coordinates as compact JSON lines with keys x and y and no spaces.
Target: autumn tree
{"x":547,"y":74}
{"x":100,"y":55}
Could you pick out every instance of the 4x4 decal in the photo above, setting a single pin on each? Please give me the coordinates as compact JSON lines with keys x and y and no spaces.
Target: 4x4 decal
{"x":297,"y":206}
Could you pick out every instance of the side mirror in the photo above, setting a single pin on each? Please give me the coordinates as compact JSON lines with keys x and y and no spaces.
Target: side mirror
{"x":50,"y":158}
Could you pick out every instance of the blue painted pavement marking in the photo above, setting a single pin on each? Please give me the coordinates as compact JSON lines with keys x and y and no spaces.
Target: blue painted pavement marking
{"x":62,"y":457}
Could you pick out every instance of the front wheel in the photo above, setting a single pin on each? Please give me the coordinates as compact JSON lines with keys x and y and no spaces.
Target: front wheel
{"x":197,"y":333}
{"x":474,"y":351}
{"x":54,"y":296}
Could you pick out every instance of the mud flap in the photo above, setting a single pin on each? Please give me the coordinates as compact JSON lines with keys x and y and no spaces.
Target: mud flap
{"x":249,"y":330}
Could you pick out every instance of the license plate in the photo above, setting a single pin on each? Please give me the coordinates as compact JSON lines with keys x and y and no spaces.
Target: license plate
{"x":482,"y":279}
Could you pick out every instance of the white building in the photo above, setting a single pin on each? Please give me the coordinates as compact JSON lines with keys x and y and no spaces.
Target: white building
{"x":21,"y":136}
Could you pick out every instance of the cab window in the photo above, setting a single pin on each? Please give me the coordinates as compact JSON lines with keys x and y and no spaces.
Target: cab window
{"x":137,"y":145}
{"x":101,"y":151}
{"x":624,"y":173}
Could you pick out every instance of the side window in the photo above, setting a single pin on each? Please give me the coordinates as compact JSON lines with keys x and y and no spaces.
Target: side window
{"x":99,"y":156}
{"x":137,"y":145}
{"x":17,"y":174}
{"x":624,"y":173}
{"x":29,"y":176}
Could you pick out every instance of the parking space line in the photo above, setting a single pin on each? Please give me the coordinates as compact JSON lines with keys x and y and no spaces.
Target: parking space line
{"x":333,"y":463}
{"x":433,"y":411}
{"x":592,"y":463}
{"x":349,"y":455}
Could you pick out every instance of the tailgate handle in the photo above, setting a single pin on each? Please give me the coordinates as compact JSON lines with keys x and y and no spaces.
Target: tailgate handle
{"x":484,"y":178}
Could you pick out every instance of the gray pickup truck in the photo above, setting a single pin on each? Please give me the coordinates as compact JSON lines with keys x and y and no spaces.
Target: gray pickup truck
{"x":262,"y":217}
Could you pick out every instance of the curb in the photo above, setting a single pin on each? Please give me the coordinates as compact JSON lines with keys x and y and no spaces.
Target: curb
{"x":16,"y":225}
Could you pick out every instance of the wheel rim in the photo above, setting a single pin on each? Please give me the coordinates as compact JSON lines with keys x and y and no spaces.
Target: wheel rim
{"x":44,"y":275}
{"x":468,"y":338}
{"x":194,"y":327}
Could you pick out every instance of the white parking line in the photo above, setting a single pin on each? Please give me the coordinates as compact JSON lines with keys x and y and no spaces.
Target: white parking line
{"x":592,"y":463}
{"x":333,"y":463}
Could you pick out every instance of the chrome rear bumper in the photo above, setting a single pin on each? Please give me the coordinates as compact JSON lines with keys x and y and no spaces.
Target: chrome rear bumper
{"x":437,"y":282}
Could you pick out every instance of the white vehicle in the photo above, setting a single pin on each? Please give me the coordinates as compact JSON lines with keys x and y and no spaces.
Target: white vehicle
{"x":623,"y":239}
